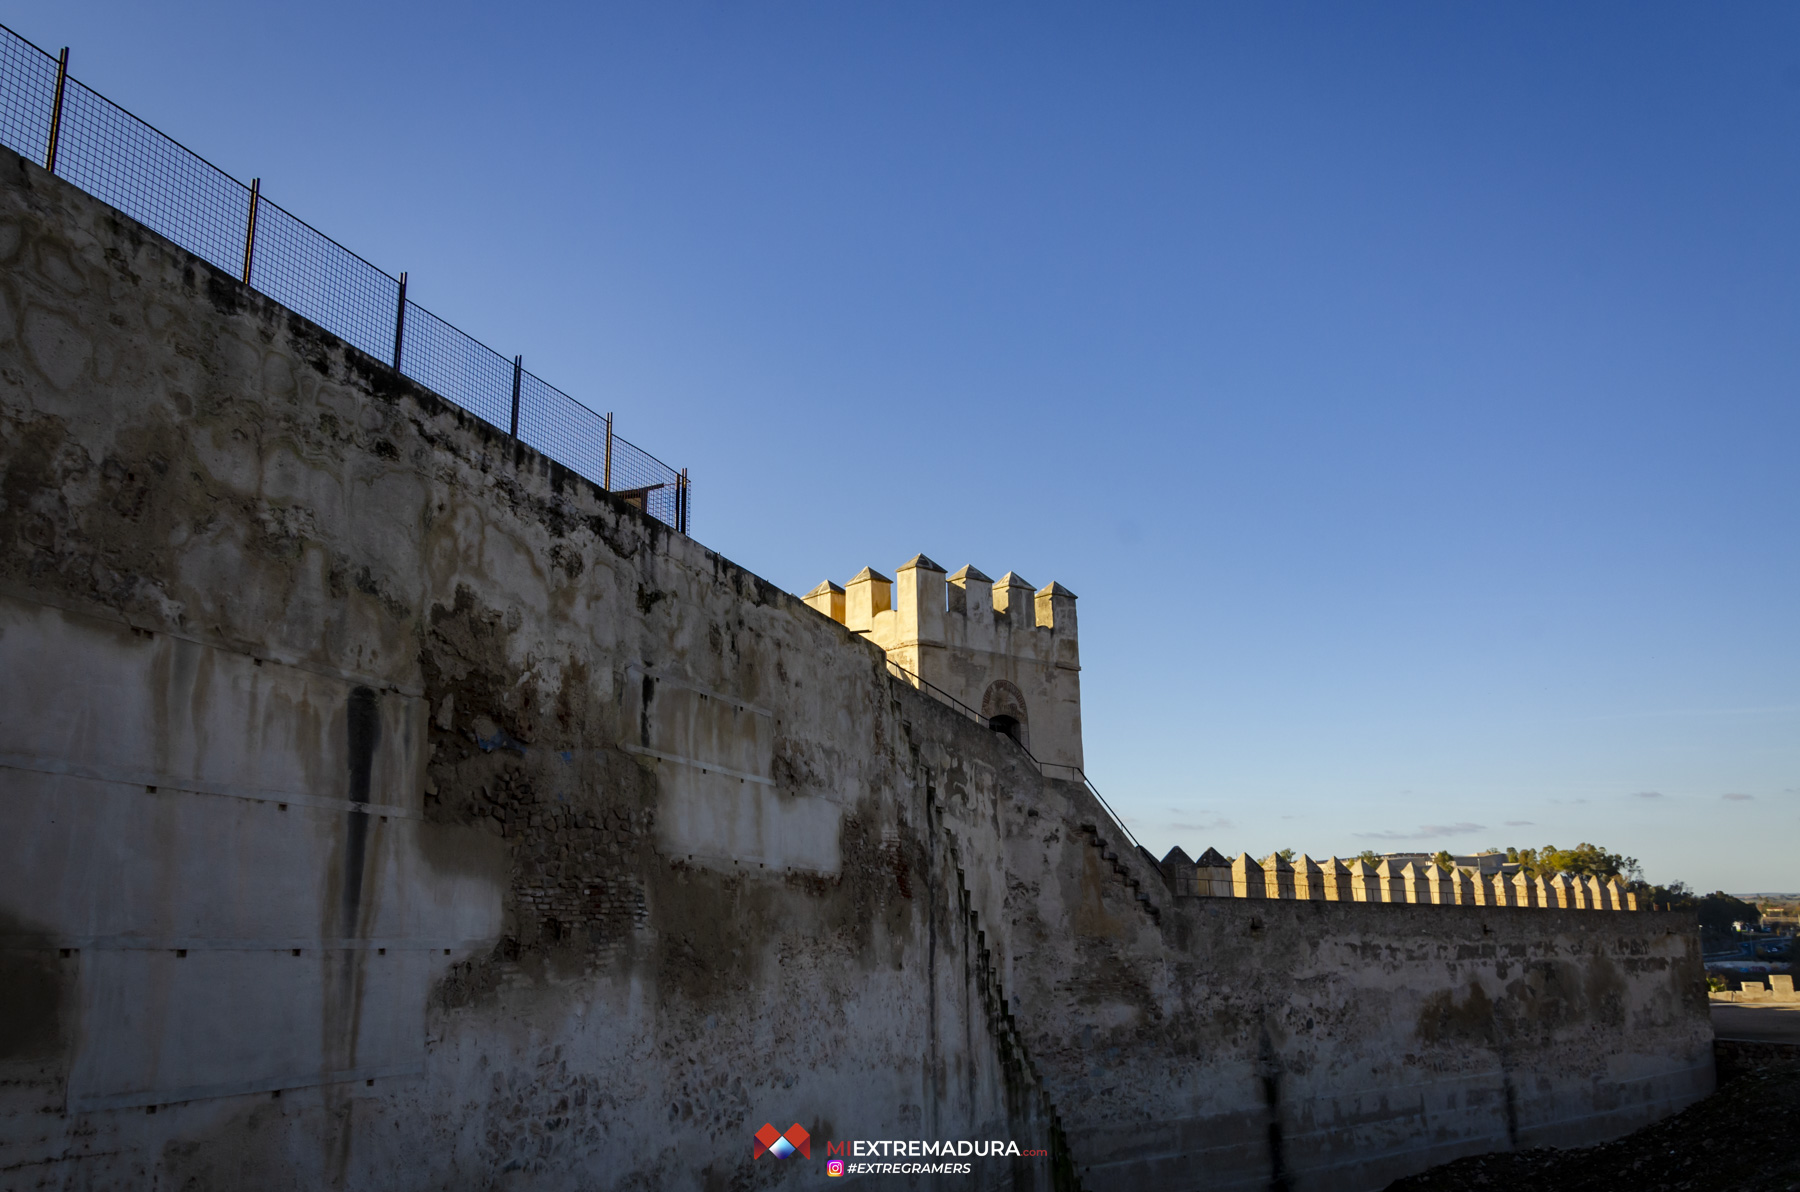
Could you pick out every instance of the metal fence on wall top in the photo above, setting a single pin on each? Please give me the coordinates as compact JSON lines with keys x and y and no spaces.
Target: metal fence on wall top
{"x":83,"y":137}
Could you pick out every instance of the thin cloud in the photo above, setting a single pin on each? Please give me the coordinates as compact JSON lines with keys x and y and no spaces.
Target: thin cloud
{"x":1426,"y":832}
{"x":1647,"y":795}
{"x":1521,"y":824}
{"x":1211,"y":825}
{"x":1737,"y":798}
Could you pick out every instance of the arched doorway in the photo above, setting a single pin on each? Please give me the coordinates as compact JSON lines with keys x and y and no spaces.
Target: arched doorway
{"x":1004,"y":707}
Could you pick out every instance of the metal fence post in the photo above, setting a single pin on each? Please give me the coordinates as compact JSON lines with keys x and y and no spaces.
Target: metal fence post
{"x":107,"y":157}
{"x":250,"y":232}
{"x":400,"y":322}
{"x":62,"y":76}
{"x":518,"y":375}
{"x":606,"y":482}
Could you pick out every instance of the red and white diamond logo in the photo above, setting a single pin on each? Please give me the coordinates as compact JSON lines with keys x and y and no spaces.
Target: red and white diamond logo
{"x":770,"y":1141}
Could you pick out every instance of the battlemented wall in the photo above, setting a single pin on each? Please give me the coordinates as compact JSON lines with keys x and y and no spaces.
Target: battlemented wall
{"x":1002,"y":650}
{"x":1427,"y":883}
{"x":391,"y":809}
{"x":388,"y":808}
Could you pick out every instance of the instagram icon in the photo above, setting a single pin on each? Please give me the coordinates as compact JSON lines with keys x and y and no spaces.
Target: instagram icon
{"x":835,"y":1167}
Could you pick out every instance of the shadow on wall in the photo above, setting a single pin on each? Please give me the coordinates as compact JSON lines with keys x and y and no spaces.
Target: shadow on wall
{"x":35,"y":993}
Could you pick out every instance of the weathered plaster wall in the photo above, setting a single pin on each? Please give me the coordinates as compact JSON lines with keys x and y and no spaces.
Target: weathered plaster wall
{"x":392,"y":810}
{"x":1225,"y":1043}
{"x":387,"y":808}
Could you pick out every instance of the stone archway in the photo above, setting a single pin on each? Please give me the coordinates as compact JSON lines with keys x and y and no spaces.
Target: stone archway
{"x":1004,"y":707}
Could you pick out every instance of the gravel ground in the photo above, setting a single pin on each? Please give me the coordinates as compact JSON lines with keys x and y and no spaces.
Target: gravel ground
{"x":1743,"y":1138}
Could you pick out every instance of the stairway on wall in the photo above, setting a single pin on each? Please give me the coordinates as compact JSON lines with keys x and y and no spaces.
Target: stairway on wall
{"x":1122,"y":871}
{"x":1015,"y":1059}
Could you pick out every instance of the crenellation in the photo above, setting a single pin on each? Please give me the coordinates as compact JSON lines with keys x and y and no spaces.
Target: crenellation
{"x":1441,"y":885}
{"x":1388,"y":884}
{"x":1180,"y":871}
{"x":661,"y":820}
{"x":1014,"y":602}
{"x":920,"y":594}
{"x":1278,"y":876}
{"x":1247,"y":878}
{"x":1335,"y":877}
{"x":971,"y":592}
{"x":1309,"y":879}
{"x":1393,"y":882}
{"x":1212,"y":874}
{"x":827,"y":598}
{"x":998,"y":648}
{"x":868,"y":594}
{"x":1054,"y":607}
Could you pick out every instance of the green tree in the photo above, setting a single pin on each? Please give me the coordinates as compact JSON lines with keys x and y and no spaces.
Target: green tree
{"x":1581,"y":861}
{"x":1444,"y":860}
{"x":1719,"y":910}
{"x":1369,"y":855}
{"x":1287,"y":854}
{"x":1524,"y":857}
{"x":1674,"y":897}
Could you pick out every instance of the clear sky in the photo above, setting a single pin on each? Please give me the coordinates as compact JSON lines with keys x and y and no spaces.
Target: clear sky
{"x":1408,"y":391}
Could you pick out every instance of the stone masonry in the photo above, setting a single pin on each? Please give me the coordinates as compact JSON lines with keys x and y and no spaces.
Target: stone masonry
{"x":391,"y":808}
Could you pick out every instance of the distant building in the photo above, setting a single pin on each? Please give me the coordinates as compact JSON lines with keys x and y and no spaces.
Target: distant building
{"x":1485,"y":864}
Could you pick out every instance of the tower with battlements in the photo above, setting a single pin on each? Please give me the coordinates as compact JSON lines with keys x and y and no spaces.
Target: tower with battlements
{"x":997,"y":647}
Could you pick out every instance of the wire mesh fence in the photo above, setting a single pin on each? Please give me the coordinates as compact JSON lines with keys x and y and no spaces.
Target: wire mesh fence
{"x":86,"y":139}
{"x":457,"y":366}
{"x":29,"y":77}
{"x":315,"y":276}
{"x":120,"y":160}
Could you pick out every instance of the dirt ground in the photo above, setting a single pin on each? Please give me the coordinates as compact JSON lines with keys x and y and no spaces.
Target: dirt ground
{"x":1743,"y":1138}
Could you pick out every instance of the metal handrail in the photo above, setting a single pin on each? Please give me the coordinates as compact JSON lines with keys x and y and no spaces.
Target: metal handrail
{"x":986,"y":723}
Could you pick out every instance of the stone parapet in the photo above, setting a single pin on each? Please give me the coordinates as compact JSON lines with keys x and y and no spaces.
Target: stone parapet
{"x":1001,"y":648}
{"x":1397,"y":883}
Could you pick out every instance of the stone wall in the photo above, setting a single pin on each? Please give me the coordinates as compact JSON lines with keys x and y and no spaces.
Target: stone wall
{"x":999,"y":649}
{"x":1395,"y":883}
{"x":392,"y":809}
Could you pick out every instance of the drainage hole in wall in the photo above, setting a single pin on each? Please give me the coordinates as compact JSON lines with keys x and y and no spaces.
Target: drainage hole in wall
{"x":181,"y":953}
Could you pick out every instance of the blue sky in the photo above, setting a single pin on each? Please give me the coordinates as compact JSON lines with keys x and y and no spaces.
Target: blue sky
{"x":1408,"y":391}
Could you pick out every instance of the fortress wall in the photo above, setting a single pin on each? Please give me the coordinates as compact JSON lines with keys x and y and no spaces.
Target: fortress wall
{"x":387,"y":808}
{"x":392,"y":809}
{"x":1227,"y":1043}
{"x":967,"y":635}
